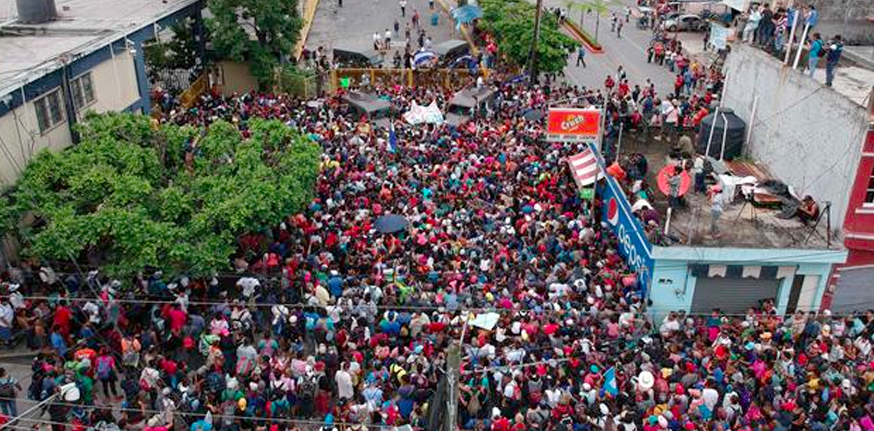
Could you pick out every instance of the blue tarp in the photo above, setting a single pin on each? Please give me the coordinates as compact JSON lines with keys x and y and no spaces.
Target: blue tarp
{"x":466,"y":14}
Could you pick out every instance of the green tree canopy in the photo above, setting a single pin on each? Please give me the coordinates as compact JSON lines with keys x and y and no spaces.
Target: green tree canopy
{"x":258,"y":32}
{"x":180,"y":52}
{"x":512,"y":24}
{"x":125,"y":199}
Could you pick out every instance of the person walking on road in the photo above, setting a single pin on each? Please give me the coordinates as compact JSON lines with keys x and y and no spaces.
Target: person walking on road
{"x":403,"y":4}
{"x":832,"y":57}
{"x":8,"y":389}
{"x":581,"y":56}
{"x":619,"y":29}
{"x":377,"y":41}
{"x":613,"y":21}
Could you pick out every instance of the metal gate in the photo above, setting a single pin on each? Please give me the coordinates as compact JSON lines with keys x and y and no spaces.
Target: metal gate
{"x":732,"y":295}
{"x":854,"y":290}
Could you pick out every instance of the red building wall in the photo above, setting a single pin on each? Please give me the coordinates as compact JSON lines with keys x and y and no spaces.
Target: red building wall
{"x":859,"y":221}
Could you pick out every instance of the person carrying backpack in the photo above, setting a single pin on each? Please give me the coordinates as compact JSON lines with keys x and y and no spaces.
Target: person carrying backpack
{"x":107,"y":372}
{"x":833,"y":56}
{"x":817,"y":51}
{"x":8,"y":388}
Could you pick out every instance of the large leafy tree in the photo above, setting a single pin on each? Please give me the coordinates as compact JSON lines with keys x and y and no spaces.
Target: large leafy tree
{"x":125,"y":199}
{"x":258,"y":32}
{"x":512,"y":24}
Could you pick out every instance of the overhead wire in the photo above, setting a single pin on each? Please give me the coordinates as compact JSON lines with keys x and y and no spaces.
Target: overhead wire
{"x":411,"y":308}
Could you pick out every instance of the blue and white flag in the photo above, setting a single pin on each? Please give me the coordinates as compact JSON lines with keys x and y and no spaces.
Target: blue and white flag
{"x":392,"y":139}
{"x":610,"y":385}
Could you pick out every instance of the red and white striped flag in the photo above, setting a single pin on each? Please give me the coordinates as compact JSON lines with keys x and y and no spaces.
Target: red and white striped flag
{"x":584,"y":167}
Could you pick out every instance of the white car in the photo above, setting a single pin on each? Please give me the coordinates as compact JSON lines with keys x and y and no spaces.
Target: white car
{"x":685,"y":23}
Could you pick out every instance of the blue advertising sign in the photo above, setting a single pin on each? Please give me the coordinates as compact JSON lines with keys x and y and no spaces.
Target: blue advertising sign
{"x":633,"y":245}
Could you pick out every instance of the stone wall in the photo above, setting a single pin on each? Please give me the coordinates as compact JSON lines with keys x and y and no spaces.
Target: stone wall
{"x":808,"y":135}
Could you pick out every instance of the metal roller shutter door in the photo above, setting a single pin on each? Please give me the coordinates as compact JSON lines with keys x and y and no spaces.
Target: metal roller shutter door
{"x":854,"y":290}
{"x":732,"y":295}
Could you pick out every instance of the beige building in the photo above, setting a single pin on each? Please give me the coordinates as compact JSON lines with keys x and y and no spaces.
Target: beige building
{"x":61,"y":59}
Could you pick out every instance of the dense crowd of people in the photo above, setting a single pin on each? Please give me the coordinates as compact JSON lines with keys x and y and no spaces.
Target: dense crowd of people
{"x":331,"y":321}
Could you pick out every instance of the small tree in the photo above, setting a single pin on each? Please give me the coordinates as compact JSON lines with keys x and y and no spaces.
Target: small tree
{"x":600,"y":7}
{"x":259,"y":32}
{"x":512,"y":23}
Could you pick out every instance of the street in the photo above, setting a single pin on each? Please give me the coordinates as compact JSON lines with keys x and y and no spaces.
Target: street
{"x":629,"y":51}
{"x":353,"y":24}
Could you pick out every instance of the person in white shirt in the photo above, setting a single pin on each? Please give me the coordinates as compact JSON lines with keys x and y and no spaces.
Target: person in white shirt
{"x":345,"y":390}
{"x":710,"y":396}
{"x":7,"y":317}
{"x":377,"y":41}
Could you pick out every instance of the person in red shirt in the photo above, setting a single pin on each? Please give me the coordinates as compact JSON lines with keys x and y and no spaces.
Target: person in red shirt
{"x":177,"y":319}
{"x":62,"y":319}
{"x":609,"y":83}
{"x":623,"y":88}
{"x":500,"y":423}
{"x":678,"y":85}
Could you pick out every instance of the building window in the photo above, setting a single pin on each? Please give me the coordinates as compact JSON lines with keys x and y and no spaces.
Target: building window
{"x":49,"y":111}
{"x":869,"y":193}
{"x":83,"y":91}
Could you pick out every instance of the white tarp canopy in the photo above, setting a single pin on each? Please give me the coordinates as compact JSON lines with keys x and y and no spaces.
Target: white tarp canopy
{"x":419,"y":114}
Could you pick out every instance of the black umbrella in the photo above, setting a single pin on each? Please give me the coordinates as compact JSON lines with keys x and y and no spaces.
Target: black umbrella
{"x":391,"y":223}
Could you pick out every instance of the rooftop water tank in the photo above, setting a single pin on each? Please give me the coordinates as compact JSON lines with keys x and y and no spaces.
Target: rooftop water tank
{"x":732,"y":127}
{"x":36,"y":11}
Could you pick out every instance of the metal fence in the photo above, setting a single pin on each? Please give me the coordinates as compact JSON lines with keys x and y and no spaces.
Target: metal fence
{"x":303,"y":85}
{"x":452,"y":79}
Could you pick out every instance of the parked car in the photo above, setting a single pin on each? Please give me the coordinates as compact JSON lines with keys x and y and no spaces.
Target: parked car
{"x":685,"y":23}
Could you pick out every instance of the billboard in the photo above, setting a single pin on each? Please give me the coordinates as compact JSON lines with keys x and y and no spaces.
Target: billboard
{"x":718,"y":36}
{"x":633,"y":245}
{"x":573,"y":125}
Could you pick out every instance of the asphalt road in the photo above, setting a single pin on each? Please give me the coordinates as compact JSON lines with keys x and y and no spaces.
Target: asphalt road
{"x":629,"y":51}
{"x":353,"y":24}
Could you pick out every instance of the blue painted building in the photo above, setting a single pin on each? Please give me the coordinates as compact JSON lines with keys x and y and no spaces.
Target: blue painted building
{"x":88,"y":57}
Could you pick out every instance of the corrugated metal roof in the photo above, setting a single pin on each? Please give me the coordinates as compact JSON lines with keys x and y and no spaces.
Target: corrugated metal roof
{"x":747,"y":169}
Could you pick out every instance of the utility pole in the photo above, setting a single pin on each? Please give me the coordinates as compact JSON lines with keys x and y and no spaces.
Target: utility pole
{"x":532,"y":67}
{"x":453,"y":375}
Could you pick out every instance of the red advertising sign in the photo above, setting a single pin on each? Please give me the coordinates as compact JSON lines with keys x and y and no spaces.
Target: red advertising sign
{"x":573,"y":125}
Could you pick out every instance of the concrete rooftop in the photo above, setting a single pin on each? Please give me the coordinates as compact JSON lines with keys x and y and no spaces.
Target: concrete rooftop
{"x":740,"y":226}
{"x":30,"y":51}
